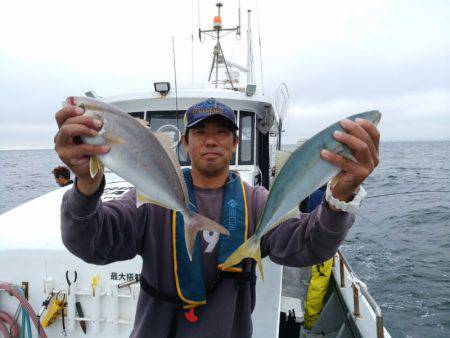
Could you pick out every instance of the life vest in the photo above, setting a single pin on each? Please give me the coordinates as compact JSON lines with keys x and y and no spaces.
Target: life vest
{"x":235,"y":217}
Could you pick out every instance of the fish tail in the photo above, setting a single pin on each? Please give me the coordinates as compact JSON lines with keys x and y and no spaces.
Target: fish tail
{"x":249,"y":248}
{"x":195,"y":223}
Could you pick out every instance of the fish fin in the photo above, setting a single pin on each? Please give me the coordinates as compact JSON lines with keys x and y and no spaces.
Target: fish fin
{"x":345,"y":152}
{"x":142,"y":198}
{"x":249,"y":249}
{"x":204,"y":223}
{"x":281,"y":157}
{"x":166,"y":141}
{"x":95,"y":165}
{"x":291,"y":214}
{"x":143,"y":122}
{"x":335,"y":180}
{"x":190,"y":233}
{"x":348,"y":156}
{"x":295,"y":212}
{"x":196,"y":223}
{"x":111,"y":139}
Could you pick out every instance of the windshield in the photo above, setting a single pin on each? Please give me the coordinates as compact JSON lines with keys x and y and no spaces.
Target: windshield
{"x":167,"y":121}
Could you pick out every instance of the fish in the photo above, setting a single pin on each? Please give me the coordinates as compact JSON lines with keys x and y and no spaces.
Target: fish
{"x":146,"y":160}
{"x":302,"y":174}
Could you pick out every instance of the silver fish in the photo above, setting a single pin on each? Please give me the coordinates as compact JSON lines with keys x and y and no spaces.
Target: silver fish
{"x":303,"y":173}
{"x":146,"y":160}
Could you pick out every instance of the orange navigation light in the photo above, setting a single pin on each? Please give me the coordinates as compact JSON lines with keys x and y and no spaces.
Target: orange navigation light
{"x":217,"y":22}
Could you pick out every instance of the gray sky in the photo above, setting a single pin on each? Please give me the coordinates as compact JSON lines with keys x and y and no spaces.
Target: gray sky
{"x":337,"y":58}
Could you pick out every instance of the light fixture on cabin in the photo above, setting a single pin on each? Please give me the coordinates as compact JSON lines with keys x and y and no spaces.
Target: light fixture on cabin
{"x":162,"y":87}
{"x":250,"y":89}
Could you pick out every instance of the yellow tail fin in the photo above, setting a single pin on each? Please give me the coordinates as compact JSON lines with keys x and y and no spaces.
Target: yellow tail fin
{"x":249,"y":248}
{"x":195,"y":223}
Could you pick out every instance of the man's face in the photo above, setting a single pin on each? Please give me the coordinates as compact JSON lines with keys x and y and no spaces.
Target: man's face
{"x":211,"y":146}
{"x":61,"y":180}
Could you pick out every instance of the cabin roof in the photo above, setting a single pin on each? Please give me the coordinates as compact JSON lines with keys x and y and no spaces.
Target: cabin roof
{"x":186,"y":97}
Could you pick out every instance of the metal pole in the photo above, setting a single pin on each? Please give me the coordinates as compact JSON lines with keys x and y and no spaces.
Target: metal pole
{"x":249,"y":51}
{"x":356,"y":312}
{"x":226,"y":66}
{"x":217,"y":46}
{"x":380,"y":327}
{"x":341,"y":271}
{"x":217,"y":62}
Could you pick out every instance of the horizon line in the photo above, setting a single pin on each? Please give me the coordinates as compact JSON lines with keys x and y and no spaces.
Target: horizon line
{"x":286,"y":144}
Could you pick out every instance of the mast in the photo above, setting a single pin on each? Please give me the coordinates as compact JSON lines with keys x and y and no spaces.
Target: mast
{"x":218,"y":55}
{"x":249,"y":51}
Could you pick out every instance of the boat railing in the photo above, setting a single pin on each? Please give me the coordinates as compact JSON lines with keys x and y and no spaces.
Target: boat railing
{"x":346,"y":274}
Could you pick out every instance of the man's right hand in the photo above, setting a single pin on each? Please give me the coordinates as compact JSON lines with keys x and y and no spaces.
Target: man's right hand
{"x":72,"y":124}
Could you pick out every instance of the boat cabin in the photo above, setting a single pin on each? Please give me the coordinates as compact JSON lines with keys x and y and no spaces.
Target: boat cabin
{"x":258,"y":127}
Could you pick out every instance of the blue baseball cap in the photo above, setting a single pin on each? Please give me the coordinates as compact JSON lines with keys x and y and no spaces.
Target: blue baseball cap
{"x":208,"y":108}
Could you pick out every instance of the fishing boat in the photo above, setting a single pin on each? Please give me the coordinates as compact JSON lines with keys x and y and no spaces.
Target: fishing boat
{"x":101,"y":301}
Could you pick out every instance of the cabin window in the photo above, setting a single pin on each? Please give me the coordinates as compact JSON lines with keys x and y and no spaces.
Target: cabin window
{"x":137,"y":114}
{"x":168,"y":121}
{"x":246,"y":138}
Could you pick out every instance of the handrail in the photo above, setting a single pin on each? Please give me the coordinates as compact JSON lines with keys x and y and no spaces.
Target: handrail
{"x":379,"y":316}
{"x":357,"y":286}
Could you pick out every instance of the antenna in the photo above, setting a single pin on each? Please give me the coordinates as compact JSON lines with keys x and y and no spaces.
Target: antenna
{"x":176,"y":96}
{"x":218,"y":55}
{"x":192,"y":43}
{"x":249,"y":50}
{"x":175,"y":73}
{"x":238,"y":31}
{"x":199,"y":23}
{"x":260,"y":52}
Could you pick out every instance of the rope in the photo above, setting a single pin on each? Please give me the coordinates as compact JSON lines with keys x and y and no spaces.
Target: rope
{"x":25,"y":320}
{"x":13,"y":331}
{"x":368,"y":220}
{"x":409,"y":193}
{"x":400,"y":193}
{"x":25,"y":305}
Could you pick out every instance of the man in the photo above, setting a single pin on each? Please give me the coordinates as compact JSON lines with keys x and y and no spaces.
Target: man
{"x":101,"y":233}
{"x":62,"y":176}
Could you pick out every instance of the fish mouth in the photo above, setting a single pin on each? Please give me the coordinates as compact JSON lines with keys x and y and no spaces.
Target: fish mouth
{"x":377,"y":118}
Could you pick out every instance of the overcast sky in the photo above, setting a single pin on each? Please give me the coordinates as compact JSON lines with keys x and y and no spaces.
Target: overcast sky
{"x":337,"y":58}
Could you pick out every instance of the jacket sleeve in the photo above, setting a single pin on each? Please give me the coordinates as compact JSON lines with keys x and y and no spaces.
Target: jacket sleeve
{"x":304,"y":240}
{"x":102,"y":232}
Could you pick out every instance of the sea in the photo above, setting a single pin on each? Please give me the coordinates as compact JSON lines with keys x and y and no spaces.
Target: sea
{"x":399,"y":245}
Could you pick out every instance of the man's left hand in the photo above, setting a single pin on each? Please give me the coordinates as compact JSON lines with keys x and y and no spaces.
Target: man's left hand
{"x":363,"y":138}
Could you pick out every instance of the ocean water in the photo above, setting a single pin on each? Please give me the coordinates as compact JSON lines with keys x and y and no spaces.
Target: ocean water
{"x":399,"y":245}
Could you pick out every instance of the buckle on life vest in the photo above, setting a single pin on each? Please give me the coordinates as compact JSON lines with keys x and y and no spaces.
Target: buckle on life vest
{"x":190,"y":315}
